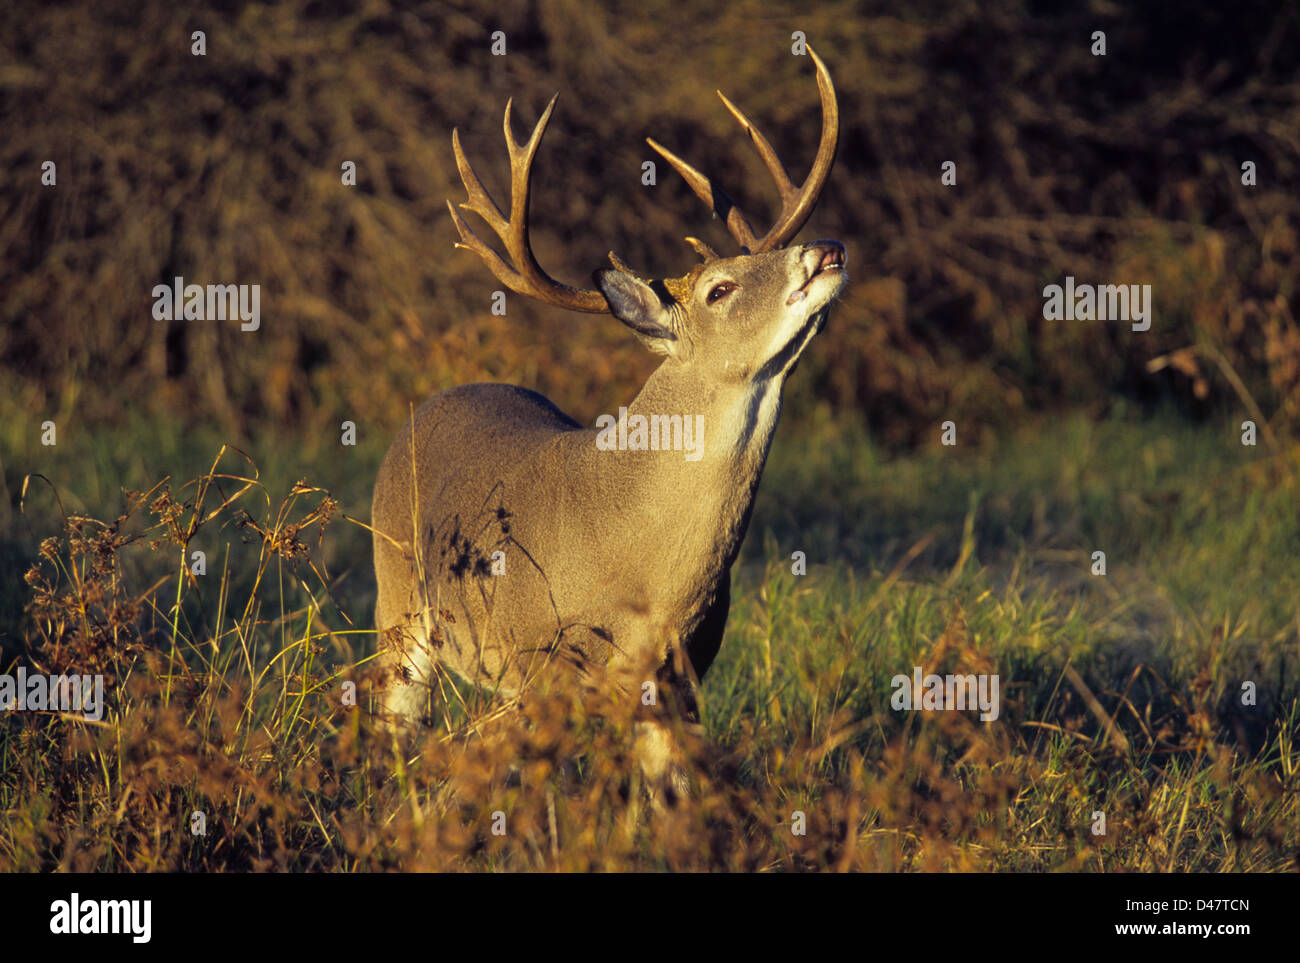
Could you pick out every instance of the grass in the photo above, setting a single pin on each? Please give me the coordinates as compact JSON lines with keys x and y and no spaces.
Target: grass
{"x":1120,"y":693}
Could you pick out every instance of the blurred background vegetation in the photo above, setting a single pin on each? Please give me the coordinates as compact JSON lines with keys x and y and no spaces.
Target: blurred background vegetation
{"x":226,"y":168}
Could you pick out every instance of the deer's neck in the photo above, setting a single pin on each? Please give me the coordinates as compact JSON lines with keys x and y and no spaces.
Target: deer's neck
{"x":686,"y":511}
{"x":733,"y":426}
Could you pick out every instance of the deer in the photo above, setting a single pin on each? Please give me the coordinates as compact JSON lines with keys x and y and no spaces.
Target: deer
{"x":509,"y":544}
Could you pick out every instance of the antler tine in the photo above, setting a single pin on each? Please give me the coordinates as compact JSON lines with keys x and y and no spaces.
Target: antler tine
{"x":711,"y":194}
{"x":522,"y":274}
{"x":797,"y":203}
{"x":796,"y":209}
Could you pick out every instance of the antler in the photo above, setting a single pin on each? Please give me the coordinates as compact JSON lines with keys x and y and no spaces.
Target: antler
{"x":796,"y":203}
{"x":522,"y":274}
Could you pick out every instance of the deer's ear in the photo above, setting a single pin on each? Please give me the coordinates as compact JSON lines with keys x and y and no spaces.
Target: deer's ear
{"x":637,"y":305}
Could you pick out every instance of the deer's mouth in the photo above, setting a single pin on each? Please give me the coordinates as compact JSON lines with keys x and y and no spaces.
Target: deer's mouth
{"x":824,"y":259}
{"x":832,"y":260}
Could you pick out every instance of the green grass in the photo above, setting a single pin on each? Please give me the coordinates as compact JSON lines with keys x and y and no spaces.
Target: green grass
{"x":1120,"y":693}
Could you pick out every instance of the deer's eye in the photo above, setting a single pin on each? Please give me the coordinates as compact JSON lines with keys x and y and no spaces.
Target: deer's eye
{"x":720,"y":291}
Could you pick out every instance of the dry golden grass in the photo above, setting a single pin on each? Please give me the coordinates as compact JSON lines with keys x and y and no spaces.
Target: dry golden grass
{"x":243,"y":718}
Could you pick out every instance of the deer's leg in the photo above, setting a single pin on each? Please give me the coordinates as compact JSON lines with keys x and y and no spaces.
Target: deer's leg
{"x":407,"y":662}
{"x":677,"y":683}
{"x":658,"y":748}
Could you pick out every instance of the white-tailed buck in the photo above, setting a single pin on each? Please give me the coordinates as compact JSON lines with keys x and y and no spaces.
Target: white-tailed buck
{"x":510,"y":540}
